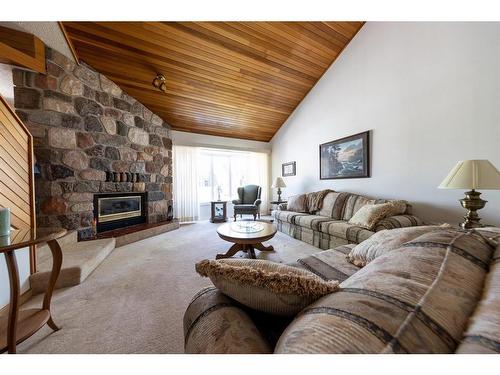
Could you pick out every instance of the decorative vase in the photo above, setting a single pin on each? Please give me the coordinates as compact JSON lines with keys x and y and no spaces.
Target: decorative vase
{"x":4,"y":221}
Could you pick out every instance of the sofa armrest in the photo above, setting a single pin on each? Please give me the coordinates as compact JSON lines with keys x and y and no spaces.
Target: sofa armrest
{"x":257,"y":202}
{"x":214,"y":324}
{"x":236,"y":201}
{"x":398,"y":221}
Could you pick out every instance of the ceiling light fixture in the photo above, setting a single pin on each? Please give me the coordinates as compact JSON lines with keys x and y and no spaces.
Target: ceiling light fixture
{"x":160,"y":82}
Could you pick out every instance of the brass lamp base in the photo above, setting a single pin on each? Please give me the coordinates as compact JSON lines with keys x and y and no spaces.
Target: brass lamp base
{"x":472,"y":202}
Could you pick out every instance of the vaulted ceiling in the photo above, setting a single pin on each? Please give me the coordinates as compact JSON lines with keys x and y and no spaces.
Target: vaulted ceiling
{"x":232,"y":79}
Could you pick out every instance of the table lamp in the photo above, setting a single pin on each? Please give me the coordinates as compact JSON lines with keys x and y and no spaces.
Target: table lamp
{"x":279,"y":183}
{"x":472,"y":174}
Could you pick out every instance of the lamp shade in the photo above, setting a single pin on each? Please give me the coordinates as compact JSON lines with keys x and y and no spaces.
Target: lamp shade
{"x":279,"y":183}
{"x":472,"y":174}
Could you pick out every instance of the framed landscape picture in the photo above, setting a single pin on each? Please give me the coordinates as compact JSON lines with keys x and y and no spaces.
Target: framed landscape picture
{"x":288,"y":169}
{"x":347,"y":157}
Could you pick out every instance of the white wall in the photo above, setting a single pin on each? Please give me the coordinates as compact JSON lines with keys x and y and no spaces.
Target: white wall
{"x":202,"y":140}
{"x":430,"y":93}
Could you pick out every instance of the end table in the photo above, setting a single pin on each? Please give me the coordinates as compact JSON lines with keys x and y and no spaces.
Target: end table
{"x":218,"y":211}
{"x":22,"y":324}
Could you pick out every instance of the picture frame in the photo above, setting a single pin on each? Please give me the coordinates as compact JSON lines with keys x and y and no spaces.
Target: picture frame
{"x":347,"y":157}
{"x":288,"y":169}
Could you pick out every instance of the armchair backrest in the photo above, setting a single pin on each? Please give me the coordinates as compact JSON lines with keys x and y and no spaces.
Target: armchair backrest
{"x":249,"y":194}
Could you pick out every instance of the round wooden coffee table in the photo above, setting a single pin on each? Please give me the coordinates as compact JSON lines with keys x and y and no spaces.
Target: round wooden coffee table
{"x":246,"y":236}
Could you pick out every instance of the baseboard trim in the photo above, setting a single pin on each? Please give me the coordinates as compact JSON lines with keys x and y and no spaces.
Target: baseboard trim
{"x":23,"y":298}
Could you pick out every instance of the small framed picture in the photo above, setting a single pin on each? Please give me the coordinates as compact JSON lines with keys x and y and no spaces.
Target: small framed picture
{"x":347,"y":157}
{"x":288,"y":169}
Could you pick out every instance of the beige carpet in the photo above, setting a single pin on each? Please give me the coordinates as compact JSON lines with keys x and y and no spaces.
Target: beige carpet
{"x":135,"y":300}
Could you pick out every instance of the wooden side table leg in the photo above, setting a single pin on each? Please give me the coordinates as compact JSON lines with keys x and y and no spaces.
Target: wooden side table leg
{"x":56,"y":269}
{"x":10,"y":259}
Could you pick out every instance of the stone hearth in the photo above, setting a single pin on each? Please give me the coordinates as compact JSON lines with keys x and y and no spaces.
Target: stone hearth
{"x":84,"y":127}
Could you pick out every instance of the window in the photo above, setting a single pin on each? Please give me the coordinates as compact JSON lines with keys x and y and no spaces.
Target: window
{"x":221,"y":172}
{"x":202,"y":174}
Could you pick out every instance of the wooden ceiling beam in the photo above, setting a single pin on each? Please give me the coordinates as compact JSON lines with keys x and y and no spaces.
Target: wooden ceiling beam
{"x":22,"y":49}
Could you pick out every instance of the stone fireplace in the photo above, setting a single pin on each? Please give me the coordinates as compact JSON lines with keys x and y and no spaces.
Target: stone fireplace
{"x":91,"y":138}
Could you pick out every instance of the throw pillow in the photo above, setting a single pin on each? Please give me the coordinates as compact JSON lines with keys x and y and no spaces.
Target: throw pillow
{"x":266,"y":286}
{"x":387,"y":240}
{"x":297,"y":203}
{"x":370,"y":214}
{"x":398,"y":207}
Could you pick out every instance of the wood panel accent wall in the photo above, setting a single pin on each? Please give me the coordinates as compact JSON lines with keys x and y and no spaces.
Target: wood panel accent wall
{"x":16,"y":170}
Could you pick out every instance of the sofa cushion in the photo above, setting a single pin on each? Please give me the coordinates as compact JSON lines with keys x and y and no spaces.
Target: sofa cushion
{"x":310,"y":221}
{"x":342,"y":229}
{"x":333,"y":204}
{"x":415,"y":299}
{"x":266,"y":286}
{"x":384,"y":241}
{"x":214,"y":324}
{"x":354,"y":202}
{"x":297,"y":203}
{"x":398,"y":221}
{"x":483,"y":332}
{"x":287,"y":216}
{"x":370,"y":214}
{"x":246,"y":208}
{"x":330,"y":264}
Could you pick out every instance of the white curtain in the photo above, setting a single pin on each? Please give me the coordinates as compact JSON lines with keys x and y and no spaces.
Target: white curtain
{"x":185,"y":184}
{"x":258,"y":175}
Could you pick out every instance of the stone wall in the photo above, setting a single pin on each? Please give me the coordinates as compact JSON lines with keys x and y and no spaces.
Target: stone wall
{"x":84,"y":126}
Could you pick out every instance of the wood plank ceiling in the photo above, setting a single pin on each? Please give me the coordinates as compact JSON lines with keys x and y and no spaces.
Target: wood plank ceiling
{"x":232,"y":79}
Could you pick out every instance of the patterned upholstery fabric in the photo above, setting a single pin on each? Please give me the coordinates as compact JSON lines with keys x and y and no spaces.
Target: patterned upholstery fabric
{"x":310,"y":221}
{"x":297,"y":203}
{"x":413,"y":300}
{"x":385,"y":241}
{"x":398,"y":221}
{"x":333,"y":205}
{"x":266,"y":286}
{"x":344,"y":230}
{"x":326,"y":234}
{"x":213,"y":324}
{"x":354,"y":203}
{"x":483,"y":333}
{"x":370,"y":214}
{"x":330,"y":264}
{"x":287,"y":216}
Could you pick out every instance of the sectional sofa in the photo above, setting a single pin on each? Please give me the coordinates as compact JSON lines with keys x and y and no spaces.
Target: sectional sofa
{"x":329,"y":226}
{"x":436,"y":293}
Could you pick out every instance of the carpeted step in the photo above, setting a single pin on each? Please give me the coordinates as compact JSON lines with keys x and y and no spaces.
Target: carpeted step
{"x":80,"y":259}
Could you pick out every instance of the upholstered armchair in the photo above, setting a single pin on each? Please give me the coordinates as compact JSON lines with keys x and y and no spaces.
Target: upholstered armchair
{"x":248,"y":201}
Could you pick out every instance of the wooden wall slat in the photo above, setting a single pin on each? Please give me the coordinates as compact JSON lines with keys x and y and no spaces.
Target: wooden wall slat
{"x":16,"y":171}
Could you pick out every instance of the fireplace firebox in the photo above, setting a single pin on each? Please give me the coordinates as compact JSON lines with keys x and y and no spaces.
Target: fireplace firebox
{"x":118,"y":210}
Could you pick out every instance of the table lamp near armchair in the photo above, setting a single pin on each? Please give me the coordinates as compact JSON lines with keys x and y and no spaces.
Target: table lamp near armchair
{"x":279,"y":183}
{"x":472,"y":174}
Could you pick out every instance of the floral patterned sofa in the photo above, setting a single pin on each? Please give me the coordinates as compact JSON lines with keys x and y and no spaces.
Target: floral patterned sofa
{"x":436,"y":293}
{"x":329,"y":227}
